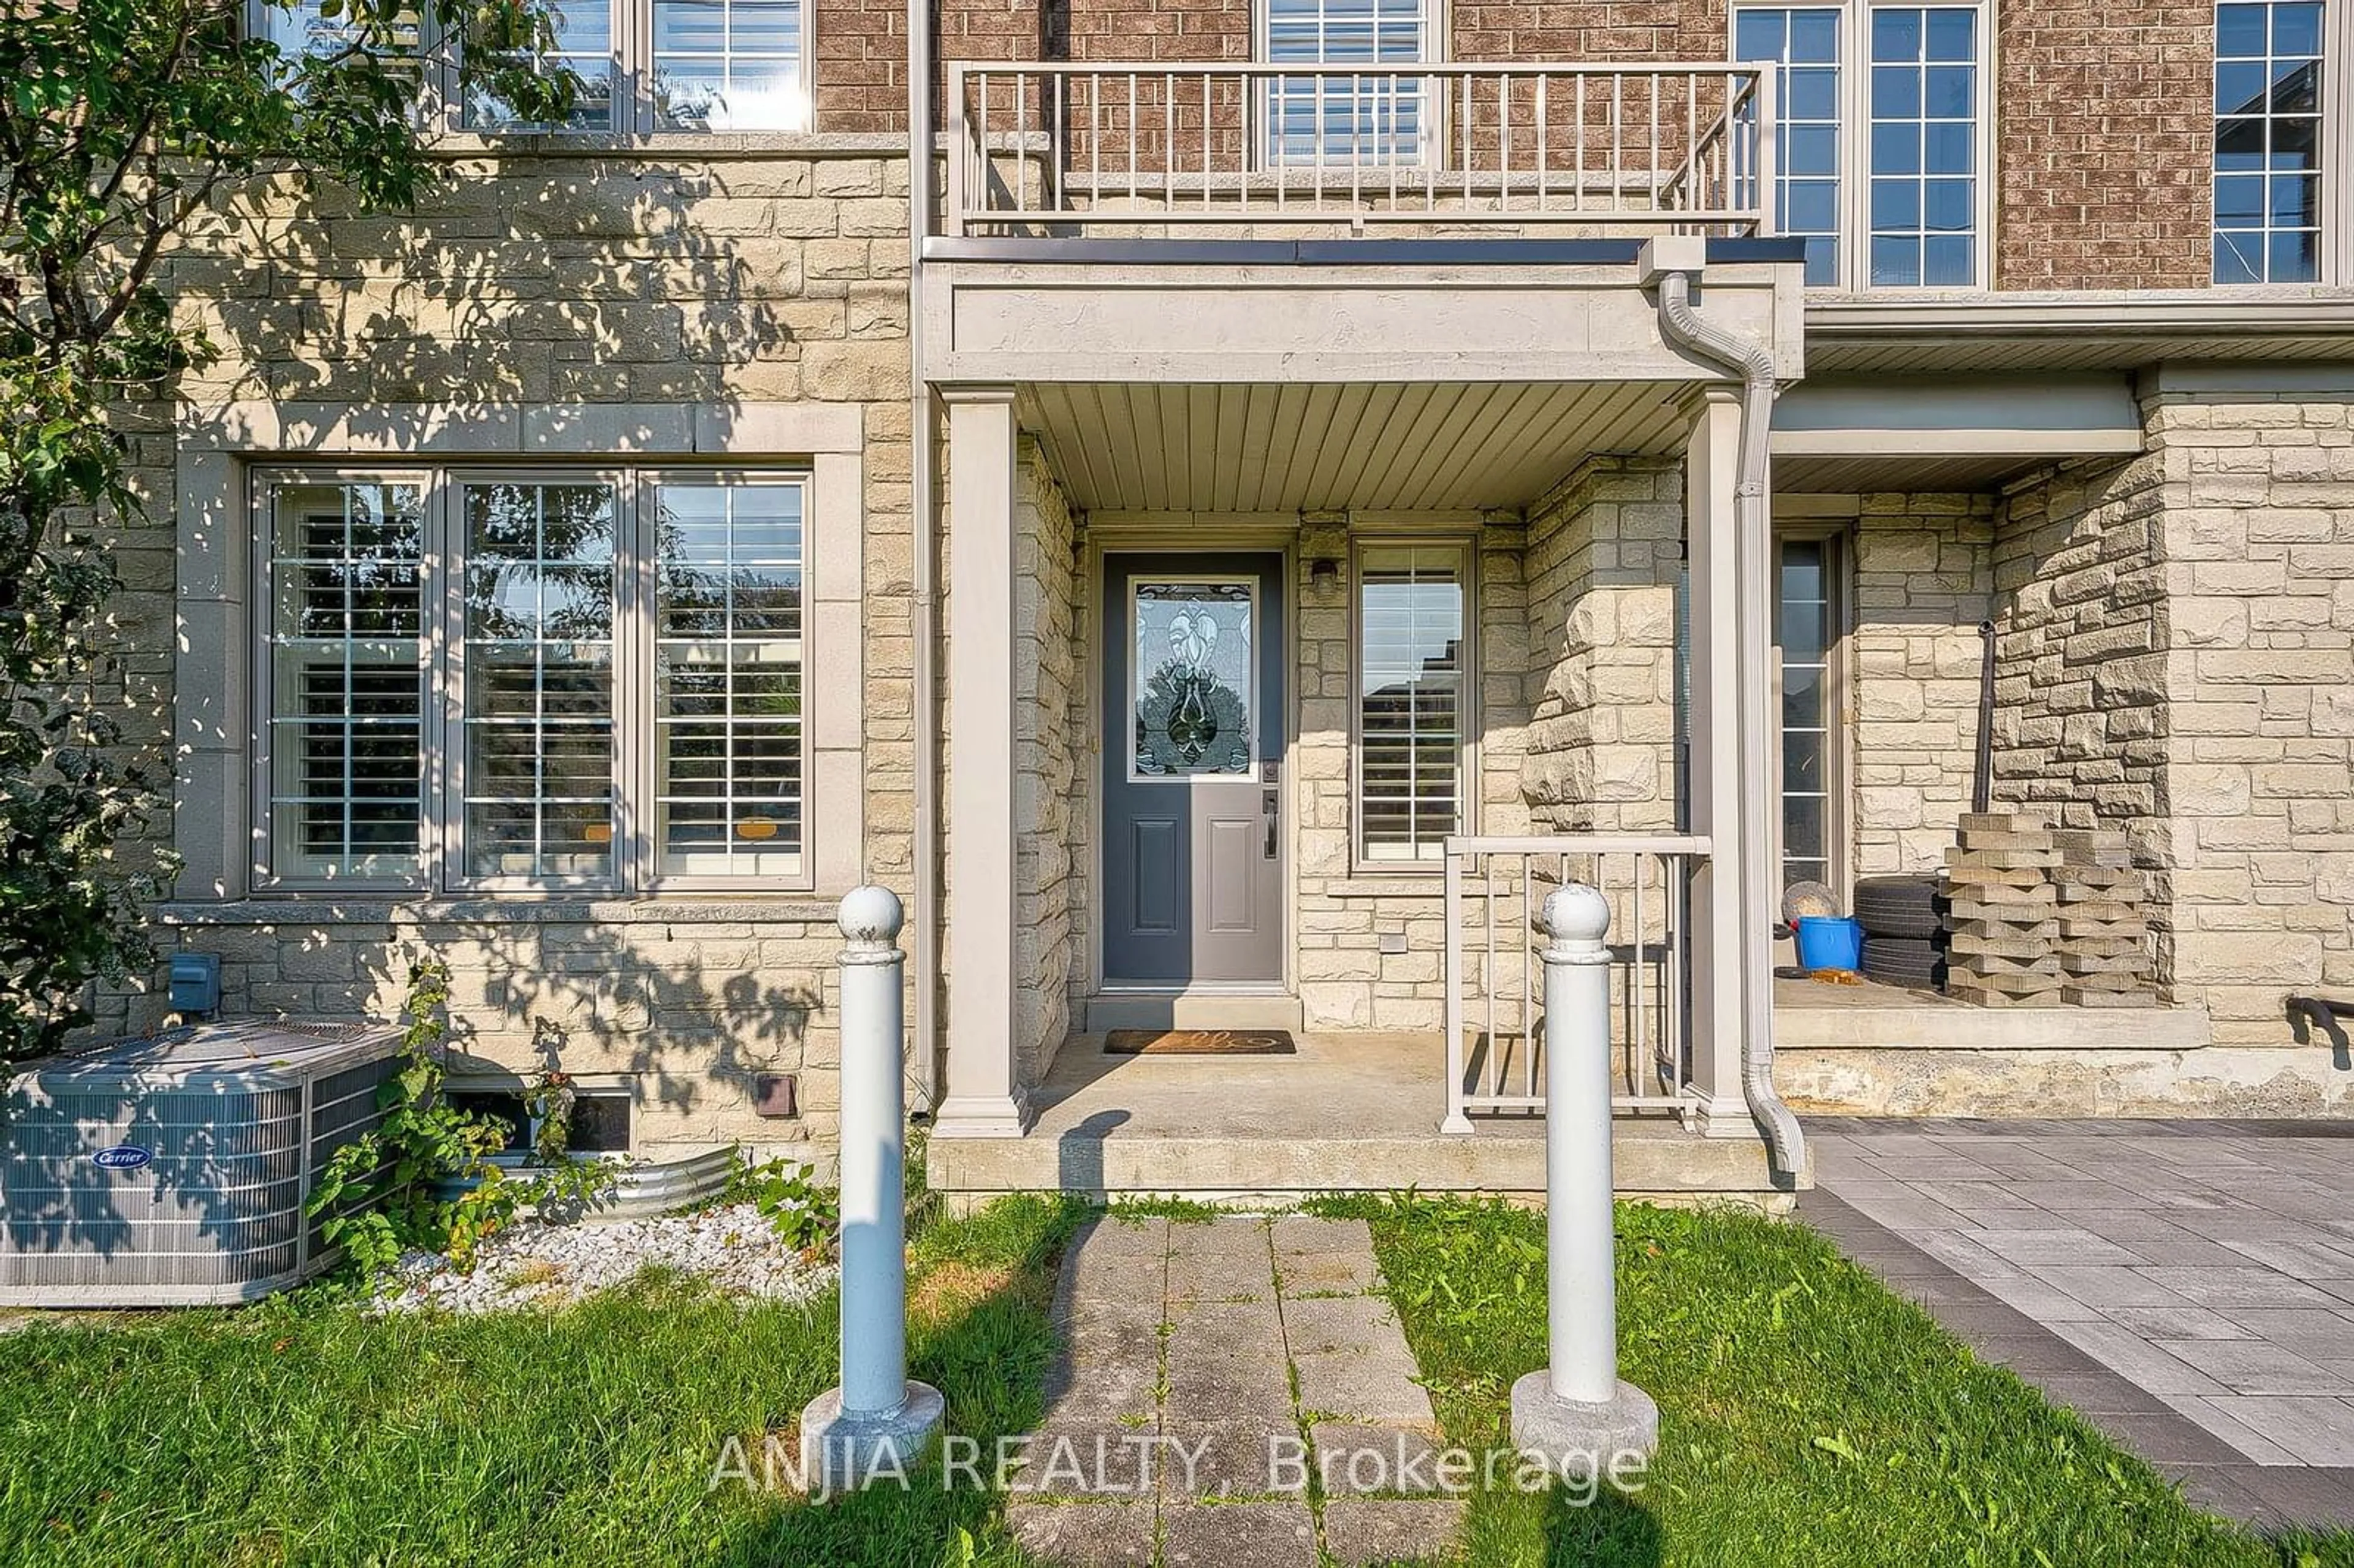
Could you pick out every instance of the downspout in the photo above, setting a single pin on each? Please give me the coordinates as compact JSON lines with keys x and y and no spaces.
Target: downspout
{"x":1753,"y":365}
{"x":926,"y":934}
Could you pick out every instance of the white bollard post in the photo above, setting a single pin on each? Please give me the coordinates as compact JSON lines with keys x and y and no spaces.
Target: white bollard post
{"x":1575,"y":1414}
{"x":879,"y":1422}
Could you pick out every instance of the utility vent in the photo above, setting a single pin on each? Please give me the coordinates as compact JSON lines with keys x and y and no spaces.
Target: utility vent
{"x":174,"y":1170}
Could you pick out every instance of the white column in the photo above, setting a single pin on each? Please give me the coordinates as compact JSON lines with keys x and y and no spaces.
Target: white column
{"x":1581,"y":1288}
{"x":874,"y":1157}
{"x":1719,"y":771}
{"x":1575,"y":1415}
{"x":877,"y":1423}
{"x":984,"y":1097}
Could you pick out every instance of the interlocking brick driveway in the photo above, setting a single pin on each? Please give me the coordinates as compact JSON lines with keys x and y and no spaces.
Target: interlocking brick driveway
{"x":2186,"y":1285}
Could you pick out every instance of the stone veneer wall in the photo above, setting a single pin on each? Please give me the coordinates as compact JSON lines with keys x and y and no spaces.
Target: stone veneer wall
{"x":2258,"y":571}
{"x":1604,"y":555}
{"x":1922,"y":580}
{"x":548,"y":286}
{"x":1345,"y":981}
{"x":1049,"y":754}
{"x":2080,"y":727}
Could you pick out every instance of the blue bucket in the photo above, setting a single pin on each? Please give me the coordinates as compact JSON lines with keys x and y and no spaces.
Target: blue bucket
{"x":1829,"y":942}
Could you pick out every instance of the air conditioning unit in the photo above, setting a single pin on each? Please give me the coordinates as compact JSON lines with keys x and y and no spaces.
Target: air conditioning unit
{"x":174,"y":1170}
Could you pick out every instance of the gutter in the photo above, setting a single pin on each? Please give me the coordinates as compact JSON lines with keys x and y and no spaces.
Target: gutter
{"x":925,"y":928}
{"x":1753,"y":364}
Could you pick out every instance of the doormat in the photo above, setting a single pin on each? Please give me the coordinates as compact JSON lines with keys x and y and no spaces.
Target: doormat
{"x":1199,"y":1043}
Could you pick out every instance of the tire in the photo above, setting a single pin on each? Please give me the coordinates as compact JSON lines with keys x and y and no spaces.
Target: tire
{"x":1905,"y":960}
{"x":1906,"y":906}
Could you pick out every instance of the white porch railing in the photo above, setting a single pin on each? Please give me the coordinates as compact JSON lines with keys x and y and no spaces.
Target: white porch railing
{"x":1495,"y":890}
{"x":1059,"y":148}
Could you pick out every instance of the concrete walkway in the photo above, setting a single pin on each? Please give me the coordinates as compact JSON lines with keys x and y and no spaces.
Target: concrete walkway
{"x":2186,"y":1285}
{"x":1209,"y":1370}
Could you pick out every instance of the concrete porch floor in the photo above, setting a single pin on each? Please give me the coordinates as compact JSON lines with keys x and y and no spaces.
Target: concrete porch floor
{"x":1348,"y":1113}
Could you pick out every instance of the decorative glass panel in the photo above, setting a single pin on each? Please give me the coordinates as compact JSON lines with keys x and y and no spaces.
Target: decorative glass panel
{"x":1195,"y":691}
{"x":1805,"y":632}
{"x":584,"y":42}
{"x":1805,"y":43}
{"x":1924,"y":192}
{"x":728,"y":679}
{"x":728,"y":65}
{"x":1376,"y":118}
{"x":1409,"y":701}
{"x":346,"y":680}
{"x":2268,"y":142}
{"x":538,"y":697}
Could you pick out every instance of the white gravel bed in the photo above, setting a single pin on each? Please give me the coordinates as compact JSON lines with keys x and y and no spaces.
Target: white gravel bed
{"x":535,"y":1265}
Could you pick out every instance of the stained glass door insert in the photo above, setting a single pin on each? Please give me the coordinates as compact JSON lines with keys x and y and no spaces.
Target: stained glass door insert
{"x":1194,"y":696}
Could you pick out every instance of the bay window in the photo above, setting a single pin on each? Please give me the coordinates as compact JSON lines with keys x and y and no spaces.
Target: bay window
{"x":488,"y":680}
{"x":1411,"y":695}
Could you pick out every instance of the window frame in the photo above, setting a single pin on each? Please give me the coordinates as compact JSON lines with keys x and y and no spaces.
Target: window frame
{"x":1430,"y":143}
{"x":1468,"y":699}
{"x":1836,"y":536}
{"x":263,"y":695}
{"x":630,"y":26}
{"x":2334,"y":108}
{"x":645,"y":764}
{"x":1855,"y":137}
{"x":635,"y":865}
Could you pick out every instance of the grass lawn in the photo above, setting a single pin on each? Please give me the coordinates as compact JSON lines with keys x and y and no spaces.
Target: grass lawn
{"x":309,"y":1435}
{"x":1811,"y":1419}
{"x":1808,"y":1416}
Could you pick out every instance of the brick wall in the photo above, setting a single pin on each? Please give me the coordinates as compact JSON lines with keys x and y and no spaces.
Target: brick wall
{"x":2105,"y":121}
{"x":859,"y":72}
{"x":1922,"y":581}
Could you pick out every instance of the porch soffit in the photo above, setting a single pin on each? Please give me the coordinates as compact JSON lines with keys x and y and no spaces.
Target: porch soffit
{"x":1366,"y":446}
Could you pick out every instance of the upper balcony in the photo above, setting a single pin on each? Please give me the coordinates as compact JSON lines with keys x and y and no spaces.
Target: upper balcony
{"x":1469,"y":222}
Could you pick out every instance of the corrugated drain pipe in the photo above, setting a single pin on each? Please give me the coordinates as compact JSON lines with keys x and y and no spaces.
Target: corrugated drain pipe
{"x":1687,"y":329}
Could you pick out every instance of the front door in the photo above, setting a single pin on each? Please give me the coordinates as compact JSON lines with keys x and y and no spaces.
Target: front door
{"x":1194,"y":716}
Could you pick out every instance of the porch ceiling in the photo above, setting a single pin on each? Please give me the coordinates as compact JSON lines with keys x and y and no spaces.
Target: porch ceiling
{"x":1367,"y":446}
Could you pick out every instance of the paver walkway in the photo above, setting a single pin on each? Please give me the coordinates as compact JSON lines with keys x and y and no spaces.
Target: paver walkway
{"x":2186,"y":1285}
{"x":1207,"y":1368}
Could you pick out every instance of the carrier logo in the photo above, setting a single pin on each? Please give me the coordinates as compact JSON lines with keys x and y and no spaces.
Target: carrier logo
{"x":123,"y":1157}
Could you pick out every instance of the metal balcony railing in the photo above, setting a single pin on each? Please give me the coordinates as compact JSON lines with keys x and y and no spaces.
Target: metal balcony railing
{"x":1060,"y":149}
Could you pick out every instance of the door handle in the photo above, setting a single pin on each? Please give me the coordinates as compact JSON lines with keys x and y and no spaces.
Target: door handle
{"x":1267,"y":813}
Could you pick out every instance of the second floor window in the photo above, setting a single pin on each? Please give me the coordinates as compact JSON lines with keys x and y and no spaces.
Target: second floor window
{"x":2268,"y":142}
{"x":704,"y":65}
{"x":1378,"y":118}
{"x":1880,"y":157}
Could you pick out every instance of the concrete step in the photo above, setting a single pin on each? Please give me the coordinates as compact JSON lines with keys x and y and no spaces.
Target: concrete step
{"x":1652,"y":1160}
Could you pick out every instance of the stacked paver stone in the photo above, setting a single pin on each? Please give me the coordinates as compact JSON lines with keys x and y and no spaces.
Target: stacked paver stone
{"x":2043,"y":915}
{"x":2005,"y":911}
{"x":2104,"y":933}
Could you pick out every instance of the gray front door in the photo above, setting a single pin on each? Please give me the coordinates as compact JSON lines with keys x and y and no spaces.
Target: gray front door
{"x":1194,"y":717}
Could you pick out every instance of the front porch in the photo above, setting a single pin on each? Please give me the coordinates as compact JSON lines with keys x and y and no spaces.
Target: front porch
{"x":1357,"y":1111}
